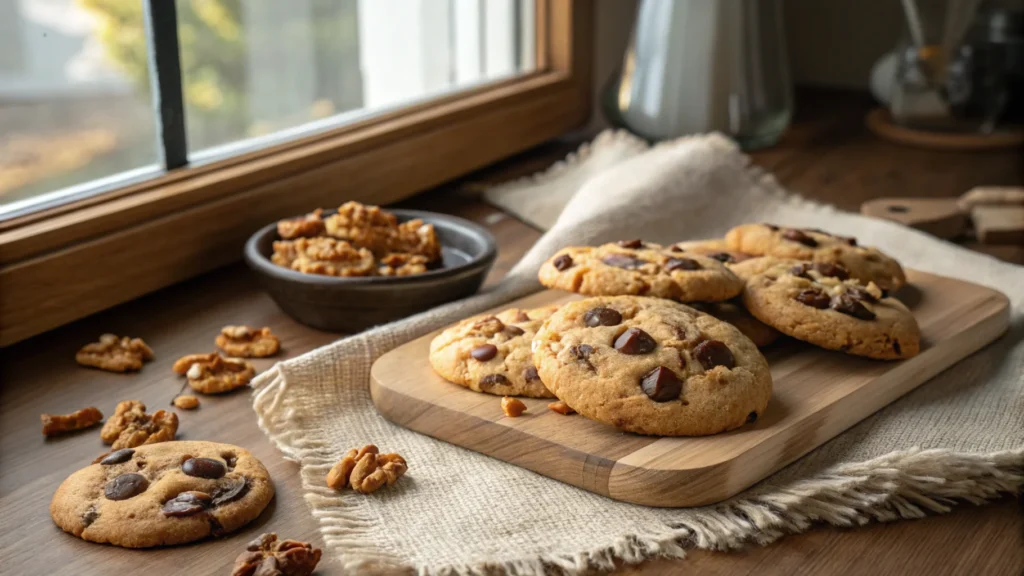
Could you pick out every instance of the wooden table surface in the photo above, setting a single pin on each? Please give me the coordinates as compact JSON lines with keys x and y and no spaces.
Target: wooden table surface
{"x":828,"y":155}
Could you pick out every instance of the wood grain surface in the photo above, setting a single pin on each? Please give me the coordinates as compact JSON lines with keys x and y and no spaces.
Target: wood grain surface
{"x":828,"y":155}
{"x":816,"y":395}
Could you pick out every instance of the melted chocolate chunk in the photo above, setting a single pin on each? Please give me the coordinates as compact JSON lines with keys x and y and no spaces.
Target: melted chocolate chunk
{"x":850,"y":306}
{"x":801,"y":270}
{"x":492,"y":380}
{"x":186,"y":504}
{"x":635,"y":341}
{"x":602,"y":317}
{"x":711,"y":353}
{"x":204,"y":468}
{"x":636,"y":243}
{"x":813,"y":298}
{"x":675,"y":248}
{"x":661,"y":385}
{"x":752,"y":417}
{"x":118,"y":457}
{"x":530,"y":374}
{"x":125,"y":486}
{"x":832,"y":270}
{"x":896,"y":347}
{"x":563,"y":262}
{"x":673,"y":264}
{"x":860,"y":294}
{"x":514,"y":331}
{"x":234,"y":489}
{"x":795,"y":235}
{"x":484,"y":353}
{"x":623,"y":261}
{"x":90,"y":516}
{"x":582,"y":353}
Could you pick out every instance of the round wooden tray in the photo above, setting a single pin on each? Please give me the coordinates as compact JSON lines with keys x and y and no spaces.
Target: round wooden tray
{"x":880,"y":122}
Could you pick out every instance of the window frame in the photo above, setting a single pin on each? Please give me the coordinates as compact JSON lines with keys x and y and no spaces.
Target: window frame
{"x":68,"y":261}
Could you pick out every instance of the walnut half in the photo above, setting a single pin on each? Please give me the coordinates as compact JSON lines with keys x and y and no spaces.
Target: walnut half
{"x":54,"y":424}
{"x":366,"y":470}
{"x":268,"y":556}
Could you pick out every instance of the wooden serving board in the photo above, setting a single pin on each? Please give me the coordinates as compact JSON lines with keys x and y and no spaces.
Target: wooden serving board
{"x":817,"y":394}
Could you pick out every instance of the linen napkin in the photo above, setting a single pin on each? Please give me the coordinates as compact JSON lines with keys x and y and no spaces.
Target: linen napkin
{"x":958,"y":437}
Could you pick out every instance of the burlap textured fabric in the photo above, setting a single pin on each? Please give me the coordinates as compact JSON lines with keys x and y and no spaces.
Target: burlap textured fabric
{"x":959,"y":437}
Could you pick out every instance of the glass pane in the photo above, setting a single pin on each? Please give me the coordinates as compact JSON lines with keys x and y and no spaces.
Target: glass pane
{"x":74,"y":97}
{"x":252,"y":68}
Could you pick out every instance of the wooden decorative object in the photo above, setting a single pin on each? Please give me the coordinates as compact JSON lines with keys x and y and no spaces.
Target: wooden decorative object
{"x":881,"y":123}
{"x":817,"y":394}
{"x":940,"y":217}
{"x":996,"y":213}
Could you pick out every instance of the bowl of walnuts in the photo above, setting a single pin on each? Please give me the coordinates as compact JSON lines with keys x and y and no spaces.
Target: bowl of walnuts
{"x":346,"y":269}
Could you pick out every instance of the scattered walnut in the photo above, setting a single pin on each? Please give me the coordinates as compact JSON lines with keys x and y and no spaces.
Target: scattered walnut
{"x":326,"y":256}
{"x":186,"y":402}
{"x":307,"y":226}
{"x":366,"y":470}
{"x":115,"y":354}
{"x":54,"y":424}
{"x":214,"y":374}
{"x":130,"y":426}
{"x":402,"y":264}
{"x":267,"y":556}
{"x":561,"y":408}
{"x":512,"y":407}
{"x":246,"y":342}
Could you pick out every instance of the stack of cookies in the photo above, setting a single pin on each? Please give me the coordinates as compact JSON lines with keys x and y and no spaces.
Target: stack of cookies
{"x":667,"y":342}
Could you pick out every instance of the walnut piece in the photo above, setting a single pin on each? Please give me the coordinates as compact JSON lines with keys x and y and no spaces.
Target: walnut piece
{"x":307,"y":226}
{"x":246,"y":342}
{"x":512,"y":407}
{"x":130,"y":426}
{"x":402,"y":264}
{"x":115,"y":354}
{"x":326,"y":256}
{"x":561,"y":407}
{"x":214,"y":374}
{"x":186,"y":402}
{"x":268,"y":556}
{"x":366,"y":470}
{"x":54,"y":424}
{"x":379,"y":231}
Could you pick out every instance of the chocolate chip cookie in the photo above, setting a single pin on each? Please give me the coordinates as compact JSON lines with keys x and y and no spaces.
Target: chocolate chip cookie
{"x":862,"y":262}
{"x":652,"y":366}
{"x":819,"y":303}
{"x":639,"y":268}
{"x":163,"y":494}
{"x":492,"y":353}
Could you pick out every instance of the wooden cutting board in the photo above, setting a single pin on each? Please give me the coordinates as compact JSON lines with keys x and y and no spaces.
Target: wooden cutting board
{"x":817,"y":394}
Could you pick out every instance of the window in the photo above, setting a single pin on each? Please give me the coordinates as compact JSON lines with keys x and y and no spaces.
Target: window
{"x":254,"y":110}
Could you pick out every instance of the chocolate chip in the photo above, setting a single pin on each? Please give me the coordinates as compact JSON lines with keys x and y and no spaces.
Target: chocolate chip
{"x":635,"y":341}
{"x":860,"y":294}
{"x":530,"y":374}
{"x":492,"y":380}
{"x":801,"y":270}
{"x":675,"y":248}
{"x":850,"y":306}
{"x":681,"y":264}
{"x":896,"y":347}
{"x":885,"y":293}
{"x":514,"y":330}
{"x":637,"y":243}
{"x":204,"y":468}
{"x":723,"y":257}
{"x":850,"y":240}
{"x":563,"y":262}
{"x":711,"y":353}
{"x":799,"y":236}
{"x":484,"y":353}
{"x":771,"y":227}
{"x":752,"y":417}
{"x":186,"y":504}
{"x":602,"y":317}
{"x":234,"y":489}
{"x":832,"y":270}
{"x":813,"y":298}
{"x":125,"y":486}
{"x":90,"y":516}
{"x":582,"y":351}
{"x":623,"y":261}
{"x":118,"y":457}
{"x":661,"y":384}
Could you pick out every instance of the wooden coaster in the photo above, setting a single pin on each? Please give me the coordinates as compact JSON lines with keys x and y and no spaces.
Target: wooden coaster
{"x":881,"y":123}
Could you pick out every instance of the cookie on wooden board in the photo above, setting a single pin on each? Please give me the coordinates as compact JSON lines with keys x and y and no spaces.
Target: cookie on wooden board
{"x":652,"y":366}
{"x":492,"y":353}
{"x":863,"y":262}
{"x":639,"y":268}
{"x":734,"y":313}
{"x":163,"y":494}
{"x":819,"y":303}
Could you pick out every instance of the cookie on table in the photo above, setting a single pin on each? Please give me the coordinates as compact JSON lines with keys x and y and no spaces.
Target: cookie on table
{"x":716,"y":248}
{"x":163,"y":494}
{"x":863,"y":262}
{"x":492,"y":353}
{"x":819,"y":303}
{"x":638,"y":268}
{"x":759,"y":333}
{"x":652,"y":366}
